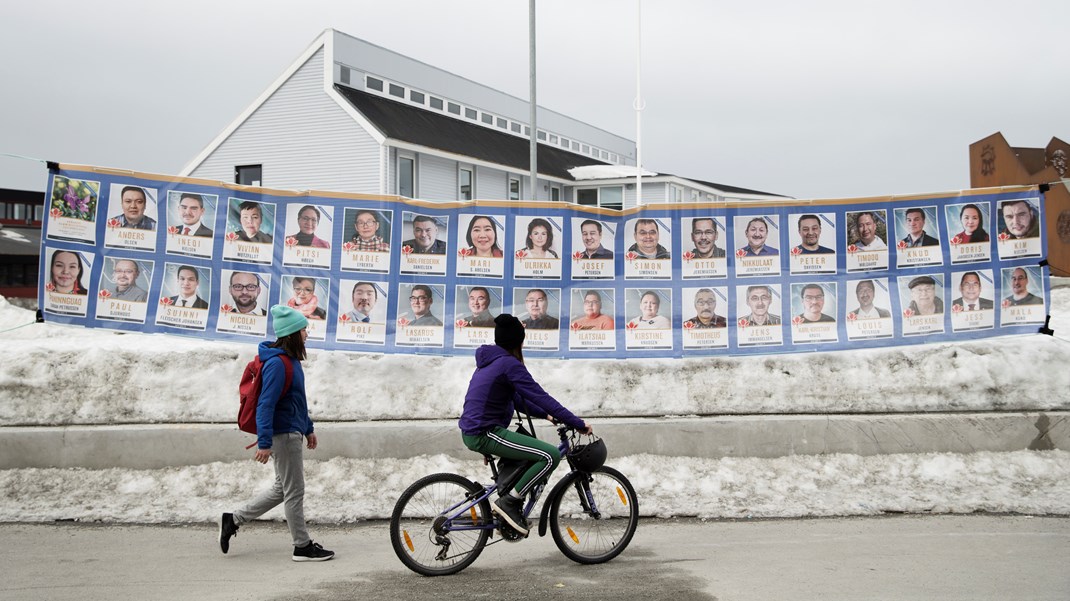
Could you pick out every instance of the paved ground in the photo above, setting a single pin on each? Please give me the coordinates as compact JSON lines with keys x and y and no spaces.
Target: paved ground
{"x":967,"y":558}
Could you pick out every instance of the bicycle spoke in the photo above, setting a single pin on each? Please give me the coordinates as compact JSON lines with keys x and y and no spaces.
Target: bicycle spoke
{"x":421,"y":533}
{"x":593,"y":521}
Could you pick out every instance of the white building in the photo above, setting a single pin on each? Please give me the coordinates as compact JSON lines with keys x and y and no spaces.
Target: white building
{"x":350,"y":116}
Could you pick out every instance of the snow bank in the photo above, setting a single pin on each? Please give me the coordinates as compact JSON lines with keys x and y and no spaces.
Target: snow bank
{"x":52,"y":375}
{"x":346,"y":490}
{"x":56,"y":375}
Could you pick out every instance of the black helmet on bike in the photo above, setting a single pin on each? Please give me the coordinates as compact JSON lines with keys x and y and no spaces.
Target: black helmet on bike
{"x":589,"y":457}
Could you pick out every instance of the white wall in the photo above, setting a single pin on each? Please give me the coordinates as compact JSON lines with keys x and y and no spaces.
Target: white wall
{"x":438,"y":178}
{"x":303,"y":139}
{"x":491,"y":183}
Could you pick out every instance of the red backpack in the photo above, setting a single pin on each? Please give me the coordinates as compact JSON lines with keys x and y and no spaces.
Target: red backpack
{"x":249,"y":392}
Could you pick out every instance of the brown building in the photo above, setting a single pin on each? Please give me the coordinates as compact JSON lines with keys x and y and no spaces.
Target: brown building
{"x":994,"y":162}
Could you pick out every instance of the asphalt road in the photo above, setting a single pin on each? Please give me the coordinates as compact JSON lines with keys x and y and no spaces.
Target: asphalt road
{"x":968,"y":558}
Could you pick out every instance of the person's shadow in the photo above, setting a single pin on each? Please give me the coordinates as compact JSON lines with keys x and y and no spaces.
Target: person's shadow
{"x":1043,"y":441}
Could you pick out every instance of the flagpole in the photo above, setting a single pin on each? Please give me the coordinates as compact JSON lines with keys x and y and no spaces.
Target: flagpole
{"x":533,"y":145}
{"x":638,"y":105}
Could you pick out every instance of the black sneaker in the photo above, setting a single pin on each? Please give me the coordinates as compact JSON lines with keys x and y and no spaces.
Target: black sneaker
{"x":508,"y":508}
{"x":227,"y":529}
{"x":312,"y":552}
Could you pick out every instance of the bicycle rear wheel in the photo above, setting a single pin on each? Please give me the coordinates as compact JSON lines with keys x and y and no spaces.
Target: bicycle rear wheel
{"x":423,"y":537}
{"x":594,"y":518}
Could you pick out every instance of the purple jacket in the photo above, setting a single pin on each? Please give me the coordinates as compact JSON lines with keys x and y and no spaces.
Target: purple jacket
{"x":499,"y":378}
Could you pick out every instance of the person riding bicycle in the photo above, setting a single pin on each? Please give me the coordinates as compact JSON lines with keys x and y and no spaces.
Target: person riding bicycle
{"x":501,"y":379}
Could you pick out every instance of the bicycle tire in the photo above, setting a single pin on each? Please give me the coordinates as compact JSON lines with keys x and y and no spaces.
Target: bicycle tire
{"x":584,"y":538}
{"x":412,"y":525}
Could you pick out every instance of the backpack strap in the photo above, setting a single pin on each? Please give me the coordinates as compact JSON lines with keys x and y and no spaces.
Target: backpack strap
{"x":288,"y":365}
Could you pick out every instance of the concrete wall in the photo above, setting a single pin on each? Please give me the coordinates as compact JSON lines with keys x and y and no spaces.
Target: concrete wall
{"x":153,"y":447}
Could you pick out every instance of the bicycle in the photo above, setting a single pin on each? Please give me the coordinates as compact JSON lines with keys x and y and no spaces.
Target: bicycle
{"x":442,"y":522}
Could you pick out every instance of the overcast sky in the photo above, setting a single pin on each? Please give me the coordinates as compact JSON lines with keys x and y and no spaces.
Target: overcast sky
{"x":816,"y":99}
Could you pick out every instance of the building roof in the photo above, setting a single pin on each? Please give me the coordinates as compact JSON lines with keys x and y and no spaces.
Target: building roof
{"x":386,"y":119}
{"x":399,"y":121}
{"x":10,"y":195}
{"x":731,"y":189}
{"x":20,"y":241}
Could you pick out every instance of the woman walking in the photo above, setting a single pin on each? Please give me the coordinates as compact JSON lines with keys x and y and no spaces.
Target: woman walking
{"x":282,"y":426}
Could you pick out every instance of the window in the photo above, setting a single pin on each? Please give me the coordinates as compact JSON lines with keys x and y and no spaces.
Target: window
{"x":396,"y":90}
{"x":575,"y":145}
{"x":515,"y":127}
{"x":555,"y":194}
{"x":20,"y":211}
{"x":248,"y":175}
{"x":541,"y":135}
{"x":676,"y":193}
{"x":436,"y":103}
{"x":514,"y":188}
{"x":609,"y":197}
{"x":471,"y":113}
{"x":502,"y":123}
{"x":19,"y":274}
{"x":454,"y":108}
{"x":406,"y":177}
{"x":344,"y":75}
{"x":488,"y":119}
{"x":465,"y":180}
{"x":586,"y":149}
{"x":527,"y":131}
{"x":553,"y":139}
{"x":564,"y":142}
{"x":417,"y":97}
{"x":375,"y":84}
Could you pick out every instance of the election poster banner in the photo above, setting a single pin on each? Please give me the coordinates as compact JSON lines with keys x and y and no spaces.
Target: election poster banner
{"x":180,"y":256}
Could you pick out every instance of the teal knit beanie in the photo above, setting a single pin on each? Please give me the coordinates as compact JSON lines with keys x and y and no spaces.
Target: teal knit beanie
{"x":287,"y":320}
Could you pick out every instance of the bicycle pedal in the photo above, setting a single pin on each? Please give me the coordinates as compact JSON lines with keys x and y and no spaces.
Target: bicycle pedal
{"x":509,"y":534}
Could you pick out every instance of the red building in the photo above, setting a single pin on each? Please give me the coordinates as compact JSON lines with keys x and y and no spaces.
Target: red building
{"x":21,"y":212}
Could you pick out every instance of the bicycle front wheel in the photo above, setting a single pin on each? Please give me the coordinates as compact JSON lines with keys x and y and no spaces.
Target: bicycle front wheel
{"x":436,"y":527}
{"x":594,"y":518}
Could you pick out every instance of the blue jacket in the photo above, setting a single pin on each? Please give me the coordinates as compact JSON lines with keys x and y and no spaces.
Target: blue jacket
{"x":275,"y":415}
{"x":498,"y":380}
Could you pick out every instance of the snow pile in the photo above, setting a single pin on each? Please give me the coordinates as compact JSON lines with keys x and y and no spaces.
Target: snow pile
{"x":346,"y":490}
{"x":588,"y":172}
{"x":52,"y":375}
{"x":56,"y":375}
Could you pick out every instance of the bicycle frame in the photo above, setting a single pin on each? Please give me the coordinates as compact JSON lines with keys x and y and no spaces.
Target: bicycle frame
{"x":468,"y":505}
{"x":455,"y":537}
